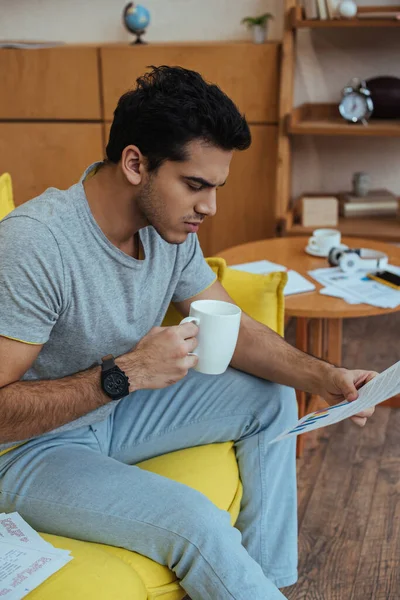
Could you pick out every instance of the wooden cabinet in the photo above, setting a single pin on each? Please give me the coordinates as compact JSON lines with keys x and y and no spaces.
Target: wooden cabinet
{"x":246,"y":72}
{"x":50,"y":83}
{"x":57,"y":104}
{"x":41,"y":155}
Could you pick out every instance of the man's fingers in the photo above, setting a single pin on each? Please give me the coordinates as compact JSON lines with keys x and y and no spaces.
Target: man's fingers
{"x":191,"y":344}
{"x":368,"y":412}
{"x":190,"y":361}
{"x":360,"y":421}
{"x":188,"y":330}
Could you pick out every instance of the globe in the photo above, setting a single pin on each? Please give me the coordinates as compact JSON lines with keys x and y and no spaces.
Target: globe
{"x":136,"y":18}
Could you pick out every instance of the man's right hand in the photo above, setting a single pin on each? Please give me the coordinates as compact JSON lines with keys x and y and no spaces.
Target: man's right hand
{"x":161,"y":358}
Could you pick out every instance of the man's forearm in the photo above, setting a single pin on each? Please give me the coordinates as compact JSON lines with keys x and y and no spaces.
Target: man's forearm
{"x":31,"y":408}
{"x":262,"y":352}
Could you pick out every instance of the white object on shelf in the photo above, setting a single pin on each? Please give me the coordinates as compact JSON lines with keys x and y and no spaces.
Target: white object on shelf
{"x":297,"y":284}
{"x":347,"y":9}
{"x":310,"y":9}
{"x":259,"y":33}
{"x":322,"y":9}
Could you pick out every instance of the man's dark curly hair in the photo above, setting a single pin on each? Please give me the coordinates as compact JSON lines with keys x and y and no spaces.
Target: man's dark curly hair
{"x":170,"y":107}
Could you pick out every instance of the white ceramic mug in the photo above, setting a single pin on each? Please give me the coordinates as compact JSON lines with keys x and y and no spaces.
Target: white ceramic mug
{"x":323,"y":240}
{"x":219,"y":324}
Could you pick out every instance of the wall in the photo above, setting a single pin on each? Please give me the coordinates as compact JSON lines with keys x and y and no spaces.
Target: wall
{"x":100,"y":20}
{"x":326,"y":62}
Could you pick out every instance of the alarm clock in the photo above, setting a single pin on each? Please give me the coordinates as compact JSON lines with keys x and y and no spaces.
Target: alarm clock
{"x":356,"y":105}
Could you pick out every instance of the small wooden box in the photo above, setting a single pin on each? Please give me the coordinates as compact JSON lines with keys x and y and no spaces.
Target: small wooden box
{"x":318,"y":211}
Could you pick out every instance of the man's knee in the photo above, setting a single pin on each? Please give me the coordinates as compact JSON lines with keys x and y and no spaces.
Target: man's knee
{"x":274,"y":403}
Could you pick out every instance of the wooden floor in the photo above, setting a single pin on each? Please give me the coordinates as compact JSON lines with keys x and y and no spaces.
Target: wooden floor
{"x":349,"y":512}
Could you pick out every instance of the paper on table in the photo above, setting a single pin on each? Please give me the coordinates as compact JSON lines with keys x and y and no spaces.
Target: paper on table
{"x":383,"y":386}
{"x":358,"y":286}
{"x":296,"y":284}
{"x":335,"y":292}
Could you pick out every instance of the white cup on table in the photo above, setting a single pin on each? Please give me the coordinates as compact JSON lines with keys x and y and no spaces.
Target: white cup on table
{"x":322,"y":240}
{"x":218,"y":324}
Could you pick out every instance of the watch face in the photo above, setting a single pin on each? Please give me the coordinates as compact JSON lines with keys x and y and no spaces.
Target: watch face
{"x":115,"y":384}
{"x":355,"y":107}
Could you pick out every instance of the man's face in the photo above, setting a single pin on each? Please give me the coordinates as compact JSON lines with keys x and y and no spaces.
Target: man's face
{"x":179,"y":195}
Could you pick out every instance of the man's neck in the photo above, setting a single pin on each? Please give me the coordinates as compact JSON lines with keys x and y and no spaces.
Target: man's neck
{"x":112,"y":205}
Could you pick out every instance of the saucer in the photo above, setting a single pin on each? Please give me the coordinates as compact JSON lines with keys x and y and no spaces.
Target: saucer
{"x":314,"y":252}
{"x":321,"y":254}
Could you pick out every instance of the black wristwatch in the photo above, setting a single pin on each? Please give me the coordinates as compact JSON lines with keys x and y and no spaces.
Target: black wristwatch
{"x":114,"y":382}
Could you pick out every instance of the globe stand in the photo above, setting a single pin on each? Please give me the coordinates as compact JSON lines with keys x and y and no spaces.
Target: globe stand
{"x":139,"y":37}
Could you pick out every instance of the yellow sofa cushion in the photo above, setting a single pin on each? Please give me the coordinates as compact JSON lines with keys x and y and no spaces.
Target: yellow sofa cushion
{"x":103,"y":572}
{"x":6,"y":195}
{"x":260,"y":296}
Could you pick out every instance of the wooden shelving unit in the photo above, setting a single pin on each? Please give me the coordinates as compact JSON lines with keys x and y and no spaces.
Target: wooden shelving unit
{"x":325,"y":120}
{"x":380,"y":229}
{"x":297,"y":21}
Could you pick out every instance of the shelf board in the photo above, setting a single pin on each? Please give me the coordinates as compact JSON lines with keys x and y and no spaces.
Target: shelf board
{"x":324,"y":119}
{"x":298,"y":22}
{"x":383,"y":229}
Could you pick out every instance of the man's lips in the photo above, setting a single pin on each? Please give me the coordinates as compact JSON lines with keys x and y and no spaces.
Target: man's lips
{"x":193,"y":226}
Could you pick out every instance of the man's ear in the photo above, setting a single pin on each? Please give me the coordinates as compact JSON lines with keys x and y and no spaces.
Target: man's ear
{"x":133,"y":164}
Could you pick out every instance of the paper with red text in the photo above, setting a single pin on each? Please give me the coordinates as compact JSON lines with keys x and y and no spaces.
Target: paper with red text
{"x":26,"y":559}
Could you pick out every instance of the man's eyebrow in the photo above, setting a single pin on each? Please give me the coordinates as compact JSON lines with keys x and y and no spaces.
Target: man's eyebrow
{"x":202,"y":181}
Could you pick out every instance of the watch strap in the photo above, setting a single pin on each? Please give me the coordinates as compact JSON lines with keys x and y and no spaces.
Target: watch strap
{"x":107,"y":362}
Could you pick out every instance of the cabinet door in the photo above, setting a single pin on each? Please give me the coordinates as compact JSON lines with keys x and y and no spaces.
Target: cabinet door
{"x":247,"y":72}
{"x":41,"y":155}
{"x":245,"y":205}
{"x":50,"y":83}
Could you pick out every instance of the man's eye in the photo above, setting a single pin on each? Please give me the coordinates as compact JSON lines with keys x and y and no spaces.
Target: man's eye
{"x":194,"y":188}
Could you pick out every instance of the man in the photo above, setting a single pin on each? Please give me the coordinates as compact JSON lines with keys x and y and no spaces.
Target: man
{"x":90,"y":272}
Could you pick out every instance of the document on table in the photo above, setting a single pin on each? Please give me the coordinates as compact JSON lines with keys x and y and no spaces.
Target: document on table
{"x":356,"y":288}
{"x":383,"y":386}
{"x":26,"y":560}
{"x":296,"y":284}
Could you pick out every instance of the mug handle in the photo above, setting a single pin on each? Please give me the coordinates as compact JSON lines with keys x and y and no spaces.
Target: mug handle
{"x":196,"y":322}
{"x":313,"y":243}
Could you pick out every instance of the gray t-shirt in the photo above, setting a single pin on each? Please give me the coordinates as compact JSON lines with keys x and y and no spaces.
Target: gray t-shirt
{"x":65,"y":285}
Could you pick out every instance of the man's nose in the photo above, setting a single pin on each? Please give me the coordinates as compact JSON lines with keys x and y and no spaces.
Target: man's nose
{"x":208,"y":204}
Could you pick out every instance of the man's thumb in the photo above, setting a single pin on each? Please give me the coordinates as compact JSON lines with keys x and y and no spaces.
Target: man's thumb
{"x":349,"y":391}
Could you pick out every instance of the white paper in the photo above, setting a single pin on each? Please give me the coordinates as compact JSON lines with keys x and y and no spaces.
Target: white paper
{"x":331,"y":290}
{"x":381,"y":388}
{"x":26,"y":559}
{"x":296,"y":283}
{"x":22,"y":568}
{"x":14,"y":529}
{"x":357,"y":287}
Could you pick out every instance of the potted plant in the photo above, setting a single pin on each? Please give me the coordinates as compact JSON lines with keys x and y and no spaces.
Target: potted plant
{"x":258,"y":26}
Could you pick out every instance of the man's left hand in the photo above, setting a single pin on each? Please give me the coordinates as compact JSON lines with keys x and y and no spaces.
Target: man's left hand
{"x":343,"y":384}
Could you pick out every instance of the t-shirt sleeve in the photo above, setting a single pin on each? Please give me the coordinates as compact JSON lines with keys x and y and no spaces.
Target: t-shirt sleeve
{"x":196,"y":275}
{"x":31,"y":280}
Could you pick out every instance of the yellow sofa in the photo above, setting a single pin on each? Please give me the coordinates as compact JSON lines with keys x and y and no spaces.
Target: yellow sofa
{"x":101,"y":572}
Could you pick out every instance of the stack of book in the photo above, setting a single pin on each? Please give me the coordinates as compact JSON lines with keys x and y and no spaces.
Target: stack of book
{"x":328,"y":9}
{"x":321,"y":9}
{"x":378,"y":203}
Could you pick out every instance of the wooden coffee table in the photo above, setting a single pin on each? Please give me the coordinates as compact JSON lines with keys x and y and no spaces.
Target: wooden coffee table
{"x":319,"y":319}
